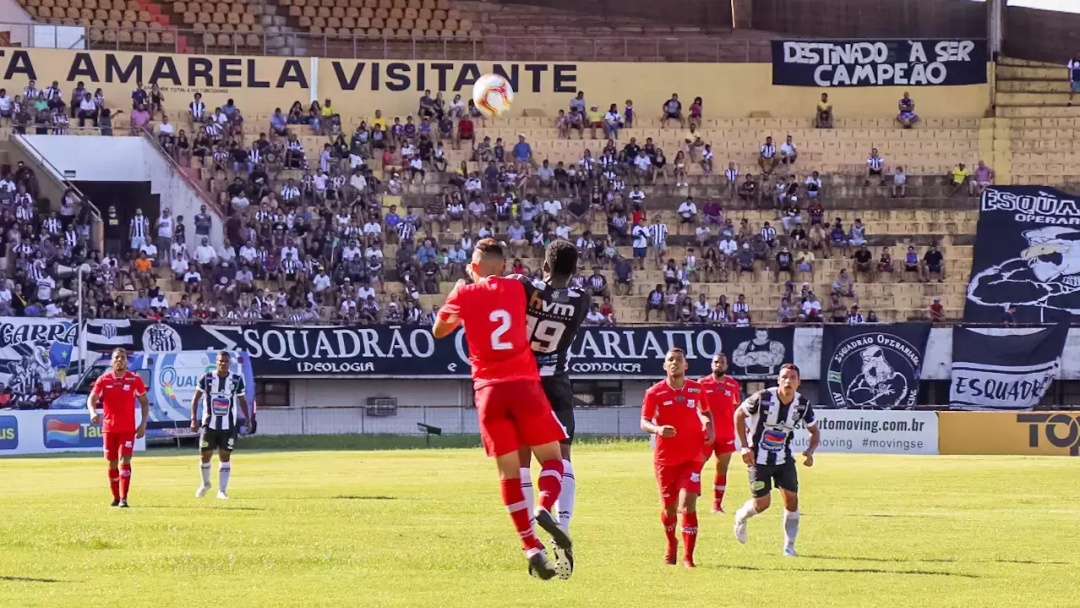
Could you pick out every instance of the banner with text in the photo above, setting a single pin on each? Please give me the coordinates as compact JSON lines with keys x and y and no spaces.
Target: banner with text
{"x":46,"y":432}
{"x":872,"y":366}
{"x":1026,"y":255}
{"x":872,"y":432}
{"x":875,"y":63}
{"x":1004,"y":371}
{"x":38,"y":355}
{"x":411,"y":351}
{"x":1009,"y":434}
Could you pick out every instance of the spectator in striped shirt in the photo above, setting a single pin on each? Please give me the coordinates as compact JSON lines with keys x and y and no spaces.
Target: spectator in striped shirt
{"x":768,"y":159}
{"x":875,"y":168}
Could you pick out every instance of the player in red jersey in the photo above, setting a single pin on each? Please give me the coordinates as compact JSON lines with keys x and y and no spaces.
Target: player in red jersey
{"x":511,"y":404}
{"x":723,"y":397}
{"x":676,"y":410}
{"x":116,"y":392}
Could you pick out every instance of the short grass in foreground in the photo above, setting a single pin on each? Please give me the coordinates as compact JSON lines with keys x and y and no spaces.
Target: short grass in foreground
{"x":418,"y":528}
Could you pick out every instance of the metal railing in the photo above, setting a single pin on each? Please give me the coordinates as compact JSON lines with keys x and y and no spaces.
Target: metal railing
{"x":182,"y":172}
{"x":544,"y":47}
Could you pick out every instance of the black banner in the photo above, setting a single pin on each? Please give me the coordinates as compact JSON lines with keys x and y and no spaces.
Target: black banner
{"x":996,"y":371}
{"x":876,"y":63}
{"x":410,"y":351}
{"x":872,"y":366}
{"x":1027,"y":255}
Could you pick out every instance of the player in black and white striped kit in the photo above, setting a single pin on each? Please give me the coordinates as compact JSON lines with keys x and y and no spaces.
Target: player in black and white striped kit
{"x":554,"y":313}
{"x":218,"y":394}
{"x":771,"y":416}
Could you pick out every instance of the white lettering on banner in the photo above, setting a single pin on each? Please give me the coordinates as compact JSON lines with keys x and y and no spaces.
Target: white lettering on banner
{"x":326,"y":343}
{"x":868,"y":62}
{"x":873,"y":432}
{"x":1027,"y":206}
{"x":620,"y":345}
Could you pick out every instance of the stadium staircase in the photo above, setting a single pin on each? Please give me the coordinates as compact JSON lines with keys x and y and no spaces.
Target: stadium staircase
{"x":1039,"y":133}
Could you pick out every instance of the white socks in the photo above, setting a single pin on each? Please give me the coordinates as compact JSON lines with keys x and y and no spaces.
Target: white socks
{"x":527,"y":491}
{"x":747,"y":510}
{"x":223,"y":476}
{"x":204,"y":469}
{"x":565,"y":504}
{"x":791,"y":528}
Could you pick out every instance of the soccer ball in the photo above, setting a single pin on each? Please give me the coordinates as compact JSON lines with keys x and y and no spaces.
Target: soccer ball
{"x":492,"y":95}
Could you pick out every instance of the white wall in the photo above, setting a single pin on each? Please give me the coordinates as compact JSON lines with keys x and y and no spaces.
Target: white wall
{"x":17,"y":21}
{"x":125,"y":159}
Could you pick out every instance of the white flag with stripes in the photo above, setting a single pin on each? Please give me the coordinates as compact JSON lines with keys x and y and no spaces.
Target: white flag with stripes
{"x":104,"y":334}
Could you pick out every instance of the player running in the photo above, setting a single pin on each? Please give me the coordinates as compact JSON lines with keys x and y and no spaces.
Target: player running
{"x":723,"y":396}
{"x":771,"y":415}
{"x":512,"y":407}
{"x":677,"y":412}
{"x":554,"y":315}
{"x":218,"y":392}
{"x":116,"y":391}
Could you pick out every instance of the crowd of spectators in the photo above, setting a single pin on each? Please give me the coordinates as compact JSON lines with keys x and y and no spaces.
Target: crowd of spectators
{"x":308,"y":240}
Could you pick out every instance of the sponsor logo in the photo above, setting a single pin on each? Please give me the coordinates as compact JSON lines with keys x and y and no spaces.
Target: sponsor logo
{"x":9,"y":432}
{"x":874,"y":370}
{"x":1059,"y":430}
{"x":70,"y":431}
{"x":757,"y":486}
{"x":772,"y":440}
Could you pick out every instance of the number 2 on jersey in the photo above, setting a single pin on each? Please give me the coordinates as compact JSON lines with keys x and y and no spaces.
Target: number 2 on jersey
{"x":545,"y":334}
{"x":501,"y":317}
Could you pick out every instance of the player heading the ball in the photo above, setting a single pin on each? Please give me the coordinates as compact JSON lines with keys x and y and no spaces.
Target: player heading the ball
{"x":510,"y":402}
{"x":676,"y":410}
{"x":771,"y":416}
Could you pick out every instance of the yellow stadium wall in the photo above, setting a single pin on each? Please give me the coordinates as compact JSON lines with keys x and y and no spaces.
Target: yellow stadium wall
{"x":260,"y":84}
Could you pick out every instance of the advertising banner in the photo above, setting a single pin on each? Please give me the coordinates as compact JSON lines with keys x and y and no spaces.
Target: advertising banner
{"x":875,"y":63}
{"x":1004,"y":371}
{"x":872,"y":432}
{"x":47,"y":432}
{"x":1024,"y":256}
{"x":410,"y":351}
{"x":872,"y":366}
{"x":1010,"y":433}
{"x":37,"y":355}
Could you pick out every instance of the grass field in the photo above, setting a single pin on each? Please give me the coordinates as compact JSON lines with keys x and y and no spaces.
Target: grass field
{"x":424,"y":528}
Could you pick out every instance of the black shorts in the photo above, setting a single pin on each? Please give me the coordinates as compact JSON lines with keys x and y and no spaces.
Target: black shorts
{"x":561,"y":397}
{"x":764,"y":476}
{"x":211,"y":439}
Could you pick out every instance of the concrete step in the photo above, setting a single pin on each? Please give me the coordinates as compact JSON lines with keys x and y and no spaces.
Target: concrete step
{"x":1012,"y":61}
{"x":1032,"y":99}
{"x":1031,"y":73}
{"x":1037,"y":111}
{"x":1033,"y":86}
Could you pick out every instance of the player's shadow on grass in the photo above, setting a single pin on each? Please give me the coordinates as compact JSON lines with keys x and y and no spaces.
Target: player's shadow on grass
{"x":28,"y":579}
{"x":848,"y":570}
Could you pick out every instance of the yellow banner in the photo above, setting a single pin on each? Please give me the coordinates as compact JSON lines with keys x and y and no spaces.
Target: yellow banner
{"x":1009,"y":433}
{"x":359,"y":86}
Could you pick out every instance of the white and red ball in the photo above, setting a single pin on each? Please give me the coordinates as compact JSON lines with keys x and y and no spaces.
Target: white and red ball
{"x":493,"y":95}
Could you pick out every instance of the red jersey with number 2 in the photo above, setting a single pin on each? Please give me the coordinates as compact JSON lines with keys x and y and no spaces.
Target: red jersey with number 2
{"x":682,"y":409}
{"x":118,"y":395}
{"x":493,"y":313}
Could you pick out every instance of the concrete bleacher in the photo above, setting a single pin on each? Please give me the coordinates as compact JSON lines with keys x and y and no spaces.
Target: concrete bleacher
{"x":927,"y":216}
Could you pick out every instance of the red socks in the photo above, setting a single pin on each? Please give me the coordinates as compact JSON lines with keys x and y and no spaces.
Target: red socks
{"x":718,"y":490}
{"x":669,"y":529}
{"x":114,"y":483}
{"x":689,"y":536}
{"x":550,"y":483}
{"x":125,"y":480}
{"x":521,"y":514}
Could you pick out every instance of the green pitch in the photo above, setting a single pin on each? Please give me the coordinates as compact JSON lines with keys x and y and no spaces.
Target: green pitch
{"x":425,"y":528}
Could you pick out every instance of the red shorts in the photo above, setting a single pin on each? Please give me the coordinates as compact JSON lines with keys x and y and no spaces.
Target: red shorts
{"x":722,"y":445}
{"x":515,"y":414}
{"x":672,"y":478}
{"x":118,"y":444}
